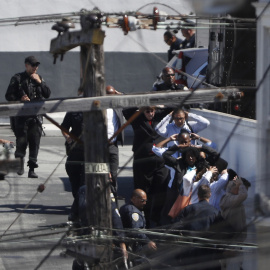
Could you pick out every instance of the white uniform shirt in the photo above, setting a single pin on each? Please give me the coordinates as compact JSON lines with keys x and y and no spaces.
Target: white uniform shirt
{"x":112,"y":123}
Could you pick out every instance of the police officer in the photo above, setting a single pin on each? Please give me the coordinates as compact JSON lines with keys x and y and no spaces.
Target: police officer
{"x":133,"y":218}
{"x":73,"y":122}
{"x":168,"y":77}
{"x":189,"y":33}
{"x":116,"y":224}
{"x":28,"y":86}
{"x":171,"y":40}
{"x":115,"y":120}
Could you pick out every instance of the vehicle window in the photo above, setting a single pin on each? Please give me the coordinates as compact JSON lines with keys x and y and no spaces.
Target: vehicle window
{"x":203,"y":71}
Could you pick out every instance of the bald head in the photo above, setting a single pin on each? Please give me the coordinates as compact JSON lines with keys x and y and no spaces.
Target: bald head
{"x":167,"y":70}
{"x":138,"y":192}
{"x":139,"y":198}
{"x":110,"y":90}
{"x":184,"y":138}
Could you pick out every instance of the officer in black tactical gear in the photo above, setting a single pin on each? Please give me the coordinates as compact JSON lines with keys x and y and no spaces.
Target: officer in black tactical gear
{"x":27,"y":86}
{"x":168,"y":77}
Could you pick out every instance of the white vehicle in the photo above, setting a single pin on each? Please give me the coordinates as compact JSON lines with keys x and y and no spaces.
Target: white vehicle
{"x":192,"y":61}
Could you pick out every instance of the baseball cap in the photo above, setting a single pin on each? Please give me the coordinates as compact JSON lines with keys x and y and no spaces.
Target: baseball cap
{"x":31,"y":60}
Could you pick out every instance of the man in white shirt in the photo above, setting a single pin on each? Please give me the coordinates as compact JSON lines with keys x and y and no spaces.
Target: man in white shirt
{"x":114,"y":121}
{"x":166,"y":128}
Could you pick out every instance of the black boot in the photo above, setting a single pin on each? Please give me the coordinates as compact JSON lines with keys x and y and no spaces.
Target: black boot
{"x":32,"y":165}
{"x":32,"y":174}
{"x":21,"y":170}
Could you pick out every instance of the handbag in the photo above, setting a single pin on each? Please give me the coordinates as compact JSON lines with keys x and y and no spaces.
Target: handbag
{"x":180,"y":203}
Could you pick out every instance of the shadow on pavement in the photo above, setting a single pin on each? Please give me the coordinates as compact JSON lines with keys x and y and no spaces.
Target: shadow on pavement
{"x":36,"y":209}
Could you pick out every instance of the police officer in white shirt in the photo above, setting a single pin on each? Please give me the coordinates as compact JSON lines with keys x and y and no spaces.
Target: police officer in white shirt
{"x":114,"y":121}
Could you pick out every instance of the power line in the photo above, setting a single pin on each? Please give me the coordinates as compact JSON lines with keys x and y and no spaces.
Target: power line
{"x":49,"y":18}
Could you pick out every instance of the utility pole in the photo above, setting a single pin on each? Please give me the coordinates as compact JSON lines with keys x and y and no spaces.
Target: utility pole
{"x":97,"y":252}
{"x":96,"y":152}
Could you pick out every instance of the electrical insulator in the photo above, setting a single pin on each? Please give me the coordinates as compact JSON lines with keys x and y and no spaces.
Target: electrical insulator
{"x":236,"y":107}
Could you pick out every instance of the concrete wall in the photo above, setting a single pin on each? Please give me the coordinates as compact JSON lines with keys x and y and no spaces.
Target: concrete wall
{"x":127,"y":71}
{"x":132,"y":61}
{"x":240,"y":151}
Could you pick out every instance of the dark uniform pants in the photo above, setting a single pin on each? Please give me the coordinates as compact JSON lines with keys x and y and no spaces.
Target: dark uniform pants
{"x":151,"y":175}
{"x":114,"y":164}
{"x":28,"y":132}
{"x":75,"y":170}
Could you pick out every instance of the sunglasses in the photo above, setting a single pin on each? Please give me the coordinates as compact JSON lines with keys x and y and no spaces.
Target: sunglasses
{"x":170,"y":75}
{"x":141,"y":200}
{"x":166,"y":40}
{"x":34,"y":65}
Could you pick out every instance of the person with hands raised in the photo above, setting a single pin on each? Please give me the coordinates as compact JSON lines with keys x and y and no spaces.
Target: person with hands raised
{"x":177,"y":120}
{"x":233,"y":211}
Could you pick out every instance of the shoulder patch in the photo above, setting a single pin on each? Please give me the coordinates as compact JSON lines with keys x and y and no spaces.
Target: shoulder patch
{"x":135,"y":216}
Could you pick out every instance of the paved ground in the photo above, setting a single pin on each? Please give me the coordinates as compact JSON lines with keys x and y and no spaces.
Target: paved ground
{"x":28,"y":235}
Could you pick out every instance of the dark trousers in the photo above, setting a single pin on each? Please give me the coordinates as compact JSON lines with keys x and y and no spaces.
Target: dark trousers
{"x":151,"y":175}
{"x":171,"y":196}
{"x":114,"y":164}
{"x":28,"y":132}
{"x":75,"y":170}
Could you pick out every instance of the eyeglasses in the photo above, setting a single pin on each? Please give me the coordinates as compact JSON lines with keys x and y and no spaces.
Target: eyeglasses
{"x":170,"y":75}
{"x":141,"y":200}
{"x":179,"y":118}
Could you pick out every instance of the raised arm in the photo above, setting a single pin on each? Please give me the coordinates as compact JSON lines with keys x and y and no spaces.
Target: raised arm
{"x":164,"y":142}
{"x":161,"y":127}
{"x":195,"y":136}
{"x":129,"y":112}
{"x":168,"y":158}
{"x":45,"y":90}
{"x":197,"y":122}
{"x":221,"y":183}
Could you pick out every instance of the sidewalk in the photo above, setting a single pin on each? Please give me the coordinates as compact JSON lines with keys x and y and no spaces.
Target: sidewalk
{"x":29,"y":217}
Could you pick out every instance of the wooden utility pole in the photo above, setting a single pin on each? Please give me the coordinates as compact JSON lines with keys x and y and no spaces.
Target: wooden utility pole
{"x":97,"y":252}
{"x":96,"y":153}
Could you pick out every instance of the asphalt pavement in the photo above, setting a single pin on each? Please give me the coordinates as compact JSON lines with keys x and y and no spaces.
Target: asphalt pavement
{"x":32,"y":223}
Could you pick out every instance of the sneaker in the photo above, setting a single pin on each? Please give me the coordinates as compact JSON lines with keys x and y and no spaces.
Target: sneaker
{"x":21,"y":170}
{"x":32,"y":174}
